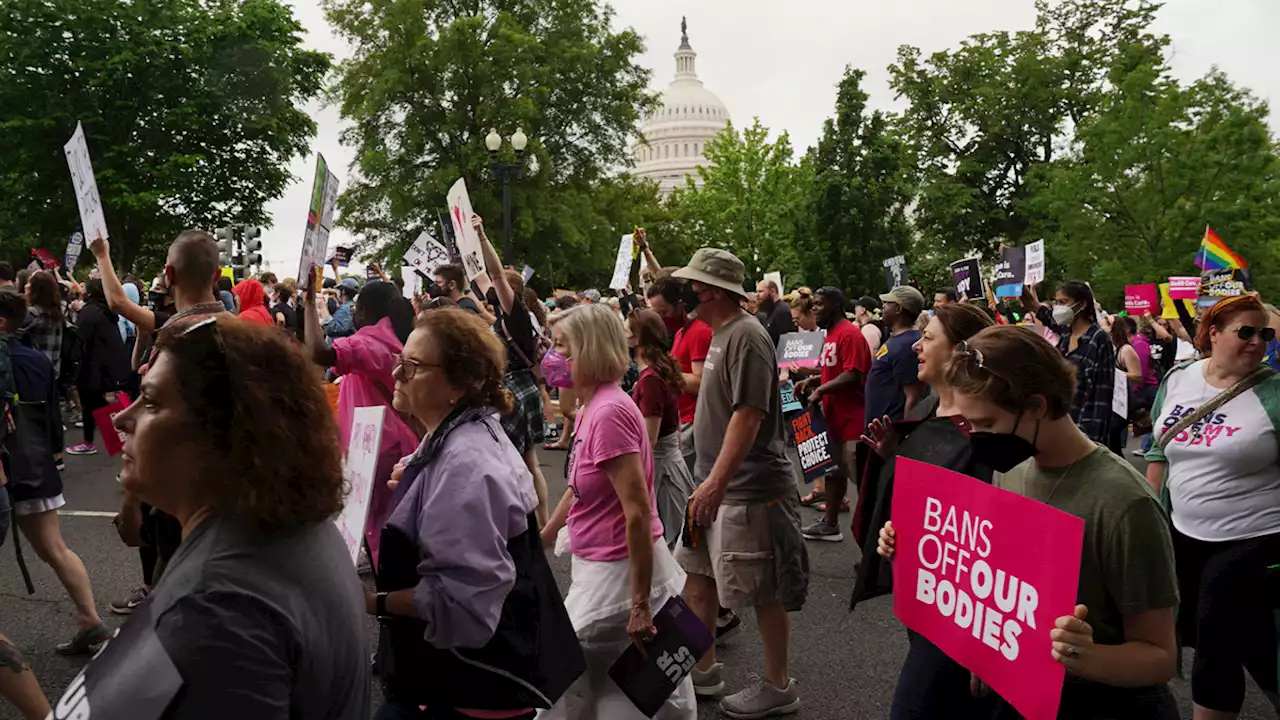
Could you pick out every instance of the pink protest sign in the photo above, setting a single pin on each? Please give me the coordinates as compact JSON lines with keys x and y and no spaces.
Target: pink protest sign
{"x":984,"y":573}
{"x":1141,"y":299}
{"x":105,"y":417}
{"x":1184,"y":288}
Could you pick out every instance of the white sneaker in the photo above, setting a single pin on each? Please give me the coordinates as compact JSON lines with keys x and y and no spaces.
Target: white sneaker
{"x":709,"y":683}
{"x":761,"y":699}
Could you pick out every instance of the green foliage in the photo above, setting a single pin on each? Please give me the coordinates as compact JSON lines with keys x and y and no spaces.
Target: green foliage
{"x":745,"y":201}
{"x":428,"y":79}
{"x":190,"y":109}
{"x":855,"y":206}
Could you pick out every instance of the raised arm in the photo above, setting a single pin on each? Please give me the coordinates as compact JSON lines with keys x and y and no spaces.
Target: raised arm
{"x":493,"y":263}
{"x":650,"y":261}
{"x":313,"y":335}
{"x":143,"y":317}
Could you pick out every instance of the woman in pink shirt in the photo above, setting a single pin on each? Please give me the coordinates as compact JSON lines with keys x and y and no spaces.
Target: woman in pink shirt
{"x":622,"y":569}
{"x":364,"y":361}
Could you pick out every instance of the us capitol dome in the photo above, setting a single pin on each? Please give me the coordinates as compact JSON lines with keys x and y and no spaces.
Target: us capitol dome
{"x":674,"y":137}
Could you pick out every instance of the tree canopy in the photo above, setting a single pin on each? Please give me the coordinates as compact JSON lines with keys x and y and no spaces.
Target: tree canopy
{"x":191,"y":109}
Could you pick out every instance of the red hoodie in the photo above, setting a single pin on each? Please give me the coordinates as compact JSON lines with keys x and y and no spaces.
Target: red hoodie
{"x":252,"y":308}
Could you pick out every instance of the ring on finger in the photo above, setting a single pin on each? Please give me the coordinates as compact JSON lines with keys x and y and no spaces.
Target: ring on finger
{"x":1073,"y":651}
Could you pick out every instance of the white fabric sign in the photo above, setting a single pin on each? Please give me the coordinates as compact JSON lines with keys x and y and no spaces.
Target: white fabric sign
{"x":1035,"y":263}
{"x":468,"y":240}
{"x":86,"y":187}
{"x":622,"y":265}
{"x":426,"y":254}
{"x":359,"y":467}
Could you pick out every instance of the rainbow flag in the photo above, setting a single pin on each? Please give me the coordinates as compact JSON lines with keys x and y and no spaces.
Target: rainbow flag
{"x":1215,"y":255}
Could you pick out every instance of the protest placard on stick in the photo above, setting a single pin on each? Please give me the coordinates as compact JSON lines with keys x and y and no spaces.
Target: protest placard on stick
{"x":622,"y":263}
{"x":92,"y":221}
{"x":468,"y":239}
{"x":359,"y":468}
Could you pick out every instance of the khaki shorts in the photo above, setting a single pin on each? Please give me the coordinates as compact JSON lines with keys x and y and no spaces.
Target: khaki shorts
{"x":846,"y":458}
{"x":737,"y":552}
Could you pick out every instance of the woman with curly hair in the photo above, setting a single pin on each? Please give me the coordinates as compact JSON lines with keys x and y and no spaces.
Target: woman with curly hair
{"x":258,"y":613}
{"x":656,"y":394}
{"x":472,"y":624}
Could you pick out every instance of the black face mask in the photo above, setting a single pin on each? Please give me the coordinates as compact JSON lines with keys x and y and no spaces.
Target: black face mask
{"x":689,"y":298}
{"x":1003,"y":451}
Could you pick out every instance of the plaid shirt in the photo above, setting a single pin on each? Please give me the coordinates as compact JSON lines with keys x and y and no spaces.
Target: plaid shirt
{"x":40,"y":332}
{"x":1095,"y":361}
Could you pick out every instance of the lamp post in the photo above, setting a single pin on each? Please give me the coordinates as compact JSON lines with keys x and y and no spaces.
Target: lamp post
{"x":506,"y":172}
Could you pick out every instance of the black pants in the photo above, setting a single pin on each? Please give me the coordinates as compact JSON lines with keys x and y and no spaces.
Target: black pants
{"x":932,"y":685}
{"x":1229,"y":600}
{"x":393,"y":709}
{"x":90,"y":400}
{"x":1093,"y":701}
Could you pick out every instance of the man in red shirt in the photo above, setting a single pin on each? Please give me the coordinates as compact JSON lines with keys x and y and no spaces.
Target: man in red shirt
{"x":845,"y":363}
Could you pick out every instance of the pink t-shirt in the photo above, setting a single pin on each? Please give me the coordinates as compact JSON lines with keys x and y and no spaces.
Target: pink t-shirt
{"x":365,"y":363}
{"x":609,"y":426}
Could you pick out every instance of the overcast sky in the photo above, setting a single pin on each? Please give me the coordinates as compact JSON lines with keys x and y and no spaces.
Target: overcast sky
{"x":765,"y":61}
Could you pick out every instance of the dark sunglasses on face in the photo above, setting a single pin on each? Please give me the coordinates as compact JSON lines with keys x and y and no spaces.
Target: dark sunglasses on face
{"x":1246,"y":333}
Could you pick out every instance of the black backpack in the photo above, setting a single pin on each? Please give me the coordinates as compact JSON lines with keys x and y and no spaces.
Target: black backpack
{"x":72,"y":352}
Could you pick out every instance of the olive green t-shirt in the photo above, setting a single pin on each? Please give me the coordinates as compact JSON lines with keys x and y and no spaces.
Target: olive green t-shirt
{"x":1126,"y":564}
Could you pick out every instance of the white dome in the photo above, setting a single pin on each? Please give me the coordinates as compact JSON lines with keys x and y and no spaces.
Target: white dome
{"x":674,"y":136}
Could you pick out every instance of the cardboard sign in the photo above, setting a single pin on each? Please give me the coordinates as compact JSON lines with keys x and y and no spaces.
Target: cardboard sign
{"x":72,"y":255}
{"x":967,"y":276}
{"x":800,"y":348}
{"x":789,"y":402}
{"x":44,"y":258}
{"x":1120,"y":395}
{"x":1140,"y":299}
{"x":412,"y":284}
{"x":341,"y":255}
{"x":984,"y":574}
{"x":622,"y":264}
{"x":315,"y":237}
{"x":649,"y":680}
{"x":1167,"y":310}
{"x":468,"y":239}
{"x":1035,"y":263}
{"x":92,"y":221}
{"x":358,"y":468}
{"x":1184,"y":288}
{"x":526,"y":274}
{"x":426,"y":254}
{"x":814,"y":443}
{"x":131,"y":677}
{"x":1217,"y":284}
{"x":895,"y":271}
{"x":1010,"y":272}
{"x":104,"y":417}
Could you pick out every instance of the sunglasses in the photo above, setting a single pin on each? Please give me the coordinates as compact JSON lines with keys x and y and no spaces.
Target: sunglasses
{"x":966,"y":350}
{"x":1246,"y":333}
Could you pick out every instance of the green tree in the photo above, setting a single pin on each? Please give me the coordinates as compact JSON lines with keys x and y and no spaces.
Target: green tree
{"x":428,"y":79}
{"x":855,"y":210}
{"x":744,"y":200}
{"x":190,"y":109}
{"x":981,"y":117}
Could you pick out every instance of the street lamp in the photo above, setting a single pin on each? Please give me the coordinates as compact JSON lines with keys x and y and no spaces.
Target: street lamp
{"x":506,"y":172}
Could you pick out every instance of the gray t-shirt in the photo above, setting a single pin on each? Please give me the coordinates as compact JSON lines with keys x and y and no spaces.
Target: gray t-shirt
{"x":264,"y":626}
{"x":740,"y":370}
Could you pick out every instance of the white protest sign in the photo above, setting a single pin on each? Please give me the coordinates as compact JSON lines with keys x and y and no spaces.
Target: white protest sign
{"x":359,"y":467}
{"x":776,"y":278}
{"x":412,"y":284}
{"x":315,"y":238}
{"x":86,"y":187}
{"x":468,"y":240}
{"x":622,"y":265}
{"x":1035,"y":263}
{"x":426,"y":254}
{"x":1120,"y":395}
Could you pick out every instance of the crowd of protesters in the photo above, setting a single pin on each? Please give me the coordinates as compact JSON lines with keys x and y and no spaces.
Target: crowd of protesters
{"x":682,"y":472}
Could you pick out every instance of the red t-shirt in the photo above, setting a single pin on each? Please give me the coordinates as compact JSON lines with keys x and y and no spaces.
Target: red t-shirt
{"x":691,"y":345}
{"x":656,"y":398}
{"x":845,"y":350}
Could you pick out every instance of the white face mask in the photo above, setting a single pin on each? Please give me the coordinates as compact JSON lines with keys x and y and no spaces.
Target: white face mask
{"x":1063,"y":314}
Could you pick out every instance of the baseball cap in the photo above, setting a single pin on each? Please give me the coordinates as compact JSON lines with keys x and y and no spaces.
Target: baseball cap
{"x":907,"y":297}
{"x":717,"y":268}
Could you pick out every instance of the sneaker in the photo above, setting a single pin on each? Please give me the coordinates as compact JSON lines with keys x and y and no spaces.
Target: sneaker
{"x":726,"y":623}
{"x":820,"y":530}
{"x":82,"y":448}
{"x":126,"y":605}
{"x":761,"y":700}
{"x":709,"y":683}
{"x":59,"y":465}
{"x":1139,"y":453}
{"x":86,"y":642}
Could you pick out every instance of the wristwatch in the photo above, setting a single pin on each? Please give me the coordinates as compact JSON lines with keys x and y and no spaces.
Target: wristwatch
{"x":380,"y":605}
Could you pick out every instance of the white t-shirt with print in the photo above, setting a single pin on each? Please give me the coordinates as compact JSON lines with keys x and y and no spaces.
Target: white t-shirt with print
{"x":1223,"y":478}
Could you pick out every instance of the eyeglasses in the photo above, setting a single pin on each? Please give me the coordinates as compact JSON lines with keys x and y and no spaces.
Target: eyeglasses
{"x":1246,"y":333}
{"x":219,"y":411}
{"x":408,"y":367}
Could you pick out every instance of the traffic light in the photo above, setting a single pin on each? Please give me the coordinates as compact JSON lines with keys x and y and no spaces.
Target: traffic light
{"x":226,"y":244}
{"x":253,"y":249}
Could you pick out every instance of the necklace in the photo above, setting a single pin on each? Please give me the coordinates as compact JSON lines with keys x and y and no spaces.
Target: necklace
{"x":1053,"y":489}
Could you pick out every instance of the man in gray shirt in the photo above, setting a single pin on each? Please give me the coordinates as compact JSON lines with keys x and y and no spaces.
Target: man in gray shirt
{"x":744,"y":549}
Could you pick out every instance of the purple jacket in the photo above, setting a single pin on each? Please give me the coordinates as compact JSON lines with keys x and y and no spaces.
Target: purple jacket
{"x":468,"y":495}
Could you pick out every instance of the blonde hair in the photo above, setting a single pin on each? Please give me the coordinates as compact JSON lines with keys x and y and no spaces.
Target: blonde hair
{"x":597,"y":343}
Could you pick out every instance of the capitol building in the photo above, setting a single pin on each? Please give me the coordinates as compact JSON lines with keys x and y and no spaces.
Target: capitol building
{"x":674,"y":137}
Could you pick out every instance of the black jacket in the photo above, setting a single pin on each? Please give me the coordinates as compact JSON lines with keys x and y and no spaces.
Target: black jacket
{"x":104,"y":363}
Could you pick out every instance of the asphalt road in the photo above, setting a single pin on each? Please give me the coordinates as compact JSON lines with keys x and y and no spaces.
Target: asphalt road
{"x":846,"y":664}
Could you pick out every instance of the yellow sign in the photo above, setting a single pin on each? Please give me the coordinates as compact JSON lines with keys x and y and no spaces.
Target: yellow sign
{"x":1168,"y":311}
{"x":229,"y":273}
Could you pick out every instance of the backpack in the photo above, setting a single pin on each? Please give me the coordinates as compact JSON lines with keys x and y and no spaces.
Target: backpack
{"x":71,"y":353}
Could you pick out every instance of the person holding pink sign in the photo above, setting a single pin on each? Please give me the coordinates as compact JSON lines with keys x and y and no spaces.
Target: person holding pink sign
{"x":1118,"y":647}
